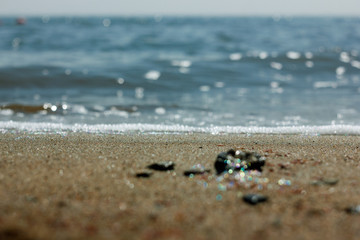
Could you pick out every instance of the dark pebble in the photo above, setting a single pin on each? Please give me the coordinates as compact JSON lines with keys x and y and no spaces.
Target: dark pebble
{"x":254,"y":199}
{"x":220,"y":163}
{"x":353,"y":209}
{"x":143,"y":174}
{"x":256,"y":165}
{"x":250,"y":161}
{"x":330,"y":181}
{"x":231,"y":152}
{"x":164,"y":166}
{"x":188,"y":173}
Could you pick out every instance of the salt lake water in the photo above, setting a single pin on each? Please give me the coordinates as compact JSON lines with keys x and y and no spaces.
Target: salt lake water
{"x":180,"y":74}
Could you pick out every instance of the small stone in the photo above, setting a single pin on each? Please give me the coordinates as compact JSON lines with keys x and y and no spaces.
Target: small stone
{"x":325,"y":181}
{"x":164,"y":166}
{"x":353,"y":209}
{"x":143,"y":174}
{"x":191,"y":172}
{"x":256,"y":164}
{"x":237,"y":160}
{"x":231,"y":152}
{"x":316,"y":183}
{"x":251,"y":160}
{"x":254,"y":199}
{"x":221,"y":162}
{"x":330,"y":181}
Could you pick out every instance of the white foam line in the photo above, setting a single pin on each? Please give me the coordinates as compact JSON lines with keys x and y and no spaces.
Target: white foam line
{"x":31,"y":127}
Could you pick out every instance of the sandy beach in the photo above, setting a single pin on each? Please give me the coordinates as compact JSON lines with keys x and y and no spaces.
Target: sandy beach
{"x":84,"y":186}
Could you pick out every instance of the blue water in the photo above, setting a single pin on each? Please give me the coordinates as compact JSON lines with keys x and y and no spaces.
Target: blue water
{"x":192,"y":73}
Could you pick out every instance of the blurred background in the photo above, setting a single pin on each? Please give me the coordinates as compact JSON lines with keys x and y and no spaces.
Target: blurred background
{"x":193,"y":63}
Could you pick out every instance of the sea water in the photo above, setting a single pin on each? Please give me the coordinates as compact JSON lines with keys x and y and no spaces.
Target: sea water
{"x":180,"y":74}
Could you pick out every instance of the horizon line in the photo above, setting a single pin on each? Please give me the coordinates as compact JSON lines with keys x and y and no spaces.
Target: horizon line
{"x":294,"y":15}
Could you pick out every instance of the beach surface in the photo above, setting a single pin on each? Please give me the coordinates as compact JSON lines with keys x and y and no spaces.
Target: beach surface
{"x":84,"y":186}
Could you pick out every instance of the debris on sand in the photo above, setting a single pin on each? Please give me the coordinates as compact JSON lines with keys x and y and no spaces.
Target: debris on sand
{"x":144,"y":174}
{"x":163,"y":166}
{"x":353,"y":209}
{"x":254,"y":199}
{"x":197,"y":169}
{"x":238,"y":160}
{"x":325,"y":181}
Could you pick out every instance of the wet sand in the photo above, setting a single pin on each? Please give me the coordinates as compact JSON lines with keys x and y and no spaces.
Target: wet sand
{"x":83,"y":186}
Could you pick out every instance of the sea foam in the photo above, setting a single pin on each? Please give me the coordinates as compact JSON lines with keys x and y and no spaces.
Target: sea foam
{"x":40,"y":128}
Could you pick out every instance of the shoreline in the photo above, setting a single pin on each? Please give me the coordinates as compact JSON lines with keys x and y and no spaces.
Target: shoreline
{"x":81,"y":185}
{"x":147,"y":128}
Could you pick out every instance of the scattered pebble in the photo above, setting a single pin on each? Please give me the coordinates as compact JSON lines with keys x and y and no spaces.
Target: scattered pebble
{"x":238,"y":168}
{"x":330,"y":181}
{"x":254,"y":199}
{"x":197,"y":169}
{"x":192,"y":172}
{"x":325,"y":181}
{"x":353,"y":209}
{"x":143,"y":174}
{"x":221,"y":162}
{"x":238,"y":160}
{"x":163,"y":166}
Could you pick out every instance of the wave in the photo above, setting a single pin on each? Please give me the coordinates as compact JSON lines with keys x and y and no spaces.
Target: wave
{"x":59,"y":128}
{"x":52,"y":77}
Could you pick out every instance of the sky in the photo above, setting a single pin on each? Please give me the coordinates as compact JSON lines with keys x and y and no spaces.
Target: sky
{"x":180,"y":7}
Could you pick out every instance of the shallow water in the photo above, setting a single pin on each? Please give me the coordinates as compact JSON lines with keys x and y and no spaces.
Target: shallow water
{"x":198,"y":74}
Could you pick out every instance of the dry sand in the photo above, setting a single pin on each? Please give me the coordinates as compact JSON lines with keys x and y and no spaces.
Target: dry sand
{"x":82,"y":186}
